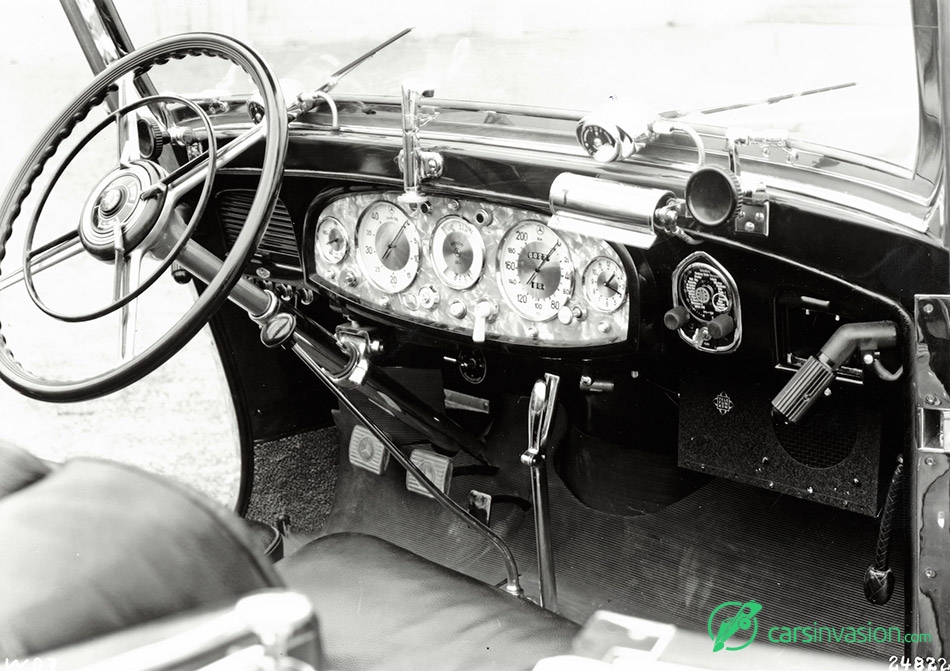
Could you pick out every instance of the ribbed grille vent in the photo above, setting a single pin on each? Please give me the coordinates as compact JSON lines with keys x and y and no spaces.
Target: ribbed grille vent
{"x":278,"y":245}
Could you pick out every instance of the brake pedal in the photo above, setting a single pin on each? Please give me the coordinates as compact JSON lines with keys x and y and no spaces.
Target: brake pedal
{"x":434,"y":466}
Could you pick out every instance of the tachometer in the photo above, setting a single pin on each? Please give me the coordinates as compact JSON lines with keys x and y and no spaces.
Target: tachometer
{"x":605,"y":283}
{"x":535,"y":270}
{"x":458,"y":252}
{"x":387,"y":246}
{"x":332,"y":241}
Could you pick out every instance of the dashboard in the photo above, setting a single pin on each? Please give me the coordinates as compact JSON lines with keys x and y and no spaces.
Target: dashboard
{"x":487,"y":271}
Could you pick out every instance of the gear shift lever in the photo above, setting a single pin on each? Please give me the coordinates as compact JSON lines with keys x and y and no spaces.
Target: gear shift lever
{"x":541,"y":406}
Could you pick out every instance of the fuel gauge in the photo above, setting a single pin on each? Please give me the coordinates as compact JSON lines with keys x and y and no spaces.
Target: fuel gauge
{"x":332,"y":241}
{"x":458,"y":252}
{"x":605,"y":284}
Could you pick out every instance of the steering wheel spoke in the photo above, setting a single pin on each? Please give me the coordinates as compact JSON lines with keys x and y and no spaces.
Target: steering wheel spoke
{"x":179,"y":182}
{"x":127,"y":124}
{"x":49,"y":255}
{"x":127,"y":275}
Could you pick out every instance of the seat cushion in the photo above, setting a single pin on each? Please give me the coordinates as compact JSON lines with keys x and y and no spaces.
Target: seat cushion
{"x":96,"y":546}
{"x":19,"y":468}
{"x":382,"y":607}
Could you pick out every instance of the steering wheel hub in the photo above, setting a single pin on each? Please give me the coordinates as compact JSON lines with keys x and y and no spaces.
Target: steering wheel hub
{"x":116,"y":202}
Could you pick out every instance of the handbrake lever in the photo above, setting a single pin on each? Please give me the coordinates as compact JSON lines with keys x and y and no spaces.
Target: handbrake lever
{"x":541,"y":405}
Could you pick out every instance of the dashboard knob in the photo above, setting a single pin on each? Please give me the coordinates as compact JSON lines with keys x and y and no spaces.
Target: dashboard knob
{"x":457,"y":309}
{"x":565,"y":315}
{"x":721,"y":326}
{"x":485,"y":311}
{"x":350,"y":279}
{"x":428,"y":297}
{"x":676,"y":318}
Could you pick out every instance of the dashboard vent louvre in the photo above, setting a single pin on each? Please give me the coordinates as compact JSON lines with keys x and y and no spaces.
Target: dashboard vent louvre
{"x":279,"y":244}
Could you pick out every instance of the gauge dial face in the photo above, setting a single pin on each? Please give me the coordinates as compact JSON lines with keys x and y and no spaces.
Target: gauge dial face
{"x":535,"y":270}
{"x":332,"y":241}
{"x":605,"y":284}
{"x":387,"y":246}
{"x":458,"y":252}
{"x":705,"y":292}
{"x":599,"y":142}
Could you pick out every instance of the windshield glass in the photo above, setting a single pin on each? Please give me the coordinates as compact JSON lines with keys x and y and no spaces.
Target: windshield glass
{"x":659,"y":54}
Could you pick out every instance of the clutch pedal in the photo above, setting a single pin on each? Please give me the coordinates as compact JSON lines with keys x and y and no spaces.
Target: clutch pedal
{"x":367,"y":452}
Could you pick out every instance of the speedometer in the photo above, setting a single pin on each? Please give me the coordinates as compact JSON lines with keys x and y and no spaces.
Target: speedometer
{"x":387,"y":245}
{"x":535,"y":270}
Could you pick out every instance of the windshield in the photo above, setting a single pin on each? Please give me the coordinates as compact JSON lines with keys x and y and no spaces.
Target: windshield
{"x":659,"y":54}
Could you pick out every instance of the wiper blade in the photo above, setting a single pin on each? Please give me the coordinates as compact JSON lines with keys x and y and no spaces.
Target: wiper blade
{"x":335,"y":78}
{"x":676,"y":114}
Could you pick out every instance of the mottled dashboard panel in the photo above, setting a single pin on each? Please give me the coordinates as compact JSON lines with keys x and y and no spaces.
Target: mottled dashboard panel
{"x":487,"y":271}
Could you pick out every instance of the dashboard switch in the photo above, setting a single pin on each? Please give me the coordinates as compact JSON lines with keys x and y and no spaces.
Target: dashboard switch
{"x":429,"y":297}
{"x":676,"y":318}
{"x":457,"y":309}
{"x":485,"y":311}
{"x":565,"y":315}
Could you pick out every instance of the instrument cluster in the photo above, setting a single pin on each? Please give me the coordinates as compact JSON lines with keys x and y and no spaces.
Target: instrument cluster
{"x":487,"y":271}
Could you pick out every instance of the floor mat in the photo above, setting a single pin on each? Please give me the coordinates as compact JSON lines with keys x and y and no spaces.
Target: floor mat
{"x":724,"y":542}
{"x":295,"y":476}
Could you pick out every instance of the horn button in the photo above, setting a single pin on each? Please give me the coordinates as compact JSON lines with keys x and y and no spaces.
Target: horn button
{"x":116,"y":202}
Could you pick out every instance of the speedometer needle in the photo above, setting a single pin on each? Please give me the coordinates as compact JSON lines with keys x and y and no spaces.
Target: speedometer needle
{"x":543,"y":261}
{"x":395,"y":239}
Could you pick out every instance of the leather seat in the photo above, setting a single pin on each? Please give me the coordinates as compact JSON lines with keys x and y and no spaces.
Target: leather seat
{"x":93,"y":547}
{"x":382,"y":607}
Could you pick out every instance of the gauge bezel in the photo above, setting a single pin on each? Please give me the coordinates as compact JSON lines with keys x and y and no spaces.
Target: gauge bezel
{"x":319,"y":245}
{"x":415,"y":250}
{"x":591,"y":299}
{"x":502,"y":278}
{"x":438,"y":259}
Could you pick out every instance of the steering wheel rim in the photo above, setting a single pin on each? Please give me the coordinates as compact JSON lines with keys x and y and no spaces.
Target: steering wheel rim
{"x":273,"y":127}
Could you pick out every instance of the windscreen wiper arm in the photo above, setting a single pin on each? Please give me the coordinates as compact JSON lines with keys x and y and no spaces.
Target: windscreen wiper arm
{"x":676,"y":114}
{"x":335,"y":78}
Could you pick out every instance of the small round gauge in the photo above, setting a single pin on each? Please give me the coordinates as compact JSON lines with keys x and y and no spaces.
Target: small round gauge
{"x":458,"y":252}
{"x":535,"y":270}
{"x":332,"y":241}
{"x":602,"y":143}
{"x":387,"y":246}
{"x":705,"y":292}
{"x":605,"y":284}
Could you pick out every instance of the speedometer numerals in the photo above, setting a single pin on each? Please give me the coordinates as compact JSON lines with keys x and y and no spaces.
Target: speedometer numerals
{"x":388,"y":247}
{"x":535,"y":270}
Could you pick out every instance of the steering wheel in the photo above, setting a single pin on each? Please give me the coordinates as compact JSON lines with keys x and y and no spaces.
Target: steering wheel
{"x":131,"y":211}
